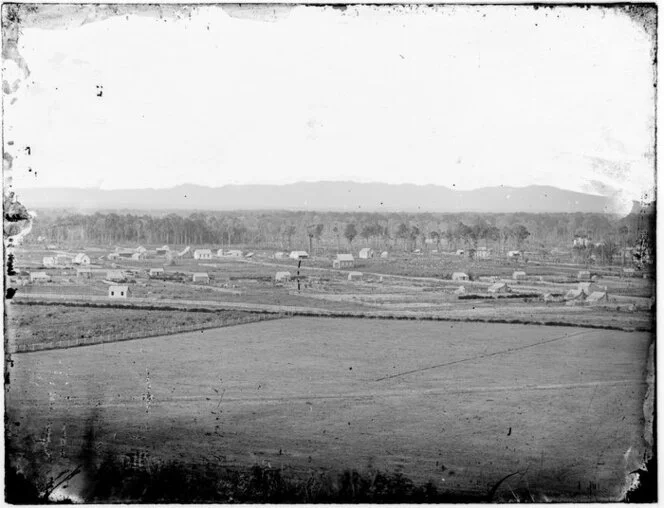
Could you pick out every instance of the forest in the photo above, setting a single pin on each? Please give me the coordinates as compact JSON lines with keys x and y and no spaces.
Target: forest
{"x":348,"y":230}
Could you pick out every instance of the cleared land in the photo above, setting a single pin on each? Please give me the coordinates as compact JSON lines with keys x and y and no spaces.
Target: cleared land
{"x":459,"y":404}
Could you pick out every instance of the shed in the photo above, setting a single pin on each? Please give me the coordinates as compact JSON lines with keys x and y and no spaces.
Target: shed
{"x":138,"y":256}
{"x":234,"y":253}
{"x":519,"y":275}
{"x":113,"y":255}
{"x":355,"y":276}
{"x":499,"y":287}
{"x":81,"y":259}
{"x":202,"y":254}
{"x":140,"y":249}
{"x":201,"y":277}
{"x":155,"y":272}
{"x":118,"y":291}
{"x":39,"y":277}
{"x":282,"y":276}
{"x":48,"y":262}
{"x":366,"y":253}
{"x":299,"y":254}
{"x":598,"y":297}
{"x":583,"y":275}
{"x":460,"y":252}
{"x":344,"y":261}
{"x":384,"y":254}
{"x":514,"y":254}
{"x":460,"y":276}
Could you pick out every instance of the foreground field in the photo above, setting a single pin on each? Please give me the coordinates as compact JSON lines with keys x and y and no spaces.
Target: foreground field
{"x":459,"y":404}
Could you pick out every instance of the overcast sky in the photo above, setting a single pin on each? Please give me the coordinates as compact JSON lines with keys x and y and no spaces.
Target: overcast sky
{"x":464,"y":97}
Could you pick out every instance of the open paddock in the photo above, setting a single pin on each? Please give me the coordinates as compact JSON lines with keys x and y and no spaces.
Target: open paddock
{"x":459,"y":404}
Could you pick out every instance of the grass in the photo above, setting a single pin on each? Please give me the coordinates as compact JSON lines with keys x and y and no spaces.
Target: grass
{"x":455,"y":405}
{"x":38,"y":324}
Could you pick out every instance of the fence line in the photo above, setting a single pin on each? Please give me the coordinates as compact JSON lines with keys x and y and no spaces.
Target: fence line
{"x":118,"y":337}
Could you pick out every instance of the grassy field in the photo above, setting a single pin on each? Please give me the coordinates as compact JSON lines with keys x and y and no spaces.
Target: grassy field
{"x":461,"y":405}
{"x":34,"y":324}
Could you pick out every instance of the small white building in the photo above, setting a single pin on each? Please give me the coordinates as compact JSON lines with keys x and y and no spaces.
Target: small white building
{"x":460,"y":252}
{"x":355,"y":276}
{"x":39,"y":277}
{"x":141,"y":250}
{"x":499,"y":287}
{"x":138,"y":256}
{"x":201,"y":278}
{"x":514,"y":254}
{"x":282,"y":277}
{"x":460,"y":276}
{"x":366,"y":253}
{"x":81,"y":259}
{"x":51,"y":246}
{"x":519,"y":275}
{"x":344,"y":261}
{"x":113,"y":256}
{"x":583,"y":275}
{"x":48,"y":262}
{"x":202,"y":254}
{"x":234,"y":253}
{"x":118,"y":291}
{"x":384,"y":254}
{"x":115,"y":275}
{"x":299,"y":254}
{"x":156,"y":272}
{"x":482,"y":253}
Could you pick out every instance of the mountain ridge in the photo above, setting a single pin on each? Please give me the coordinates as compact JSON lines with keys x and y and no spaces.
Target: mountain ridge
{"x":324,"y":196}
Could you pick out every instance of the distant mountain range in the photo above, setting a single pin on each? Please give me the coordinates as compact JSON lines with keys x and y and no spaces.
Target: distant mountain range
{"x":322,"y":196}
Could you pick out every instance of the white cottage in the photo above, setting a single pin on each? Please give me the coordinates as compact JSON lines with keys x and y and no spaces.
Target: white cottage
{"x":118,"y":291}
{"x":460,"y":276}
{"x":202,"y":254}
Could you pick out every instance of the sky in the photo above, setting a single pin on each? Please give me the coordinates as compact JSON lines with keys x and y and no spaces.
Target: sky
{"x":464,"y":97}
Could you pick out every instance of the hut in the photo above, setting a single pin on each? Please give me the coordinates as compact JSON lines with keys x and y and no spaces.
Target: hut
{"x":384,"y":254}
{"x":460,"y":276}
{"x":202,"y":254}
{"x":201,"y":278}
{"x":48,"y":262}
{"x":138,"y":256}
{"x":141,"y":250}
{"x":156,"y":272}
{"x":460,"y":252}
{"x":81,"y":259}
{"x":233,"y":253}
{"x":583,"y":275}
{"x":282,"y":277}
{"x":514,"y":254}
{"x":299,"y":254}
{"x":118,"y":291}
{"x":366,"y":253}
{"x":344,"y":261}
{"x":518,"y":275}
{"x":355,"y":276}
{"x":39,"y":277}
{"x":499,"y":287}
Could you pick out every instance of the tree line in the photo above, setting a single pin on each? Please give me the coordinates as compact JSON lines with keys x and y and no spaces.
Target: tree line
{"x":347,"y":231}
